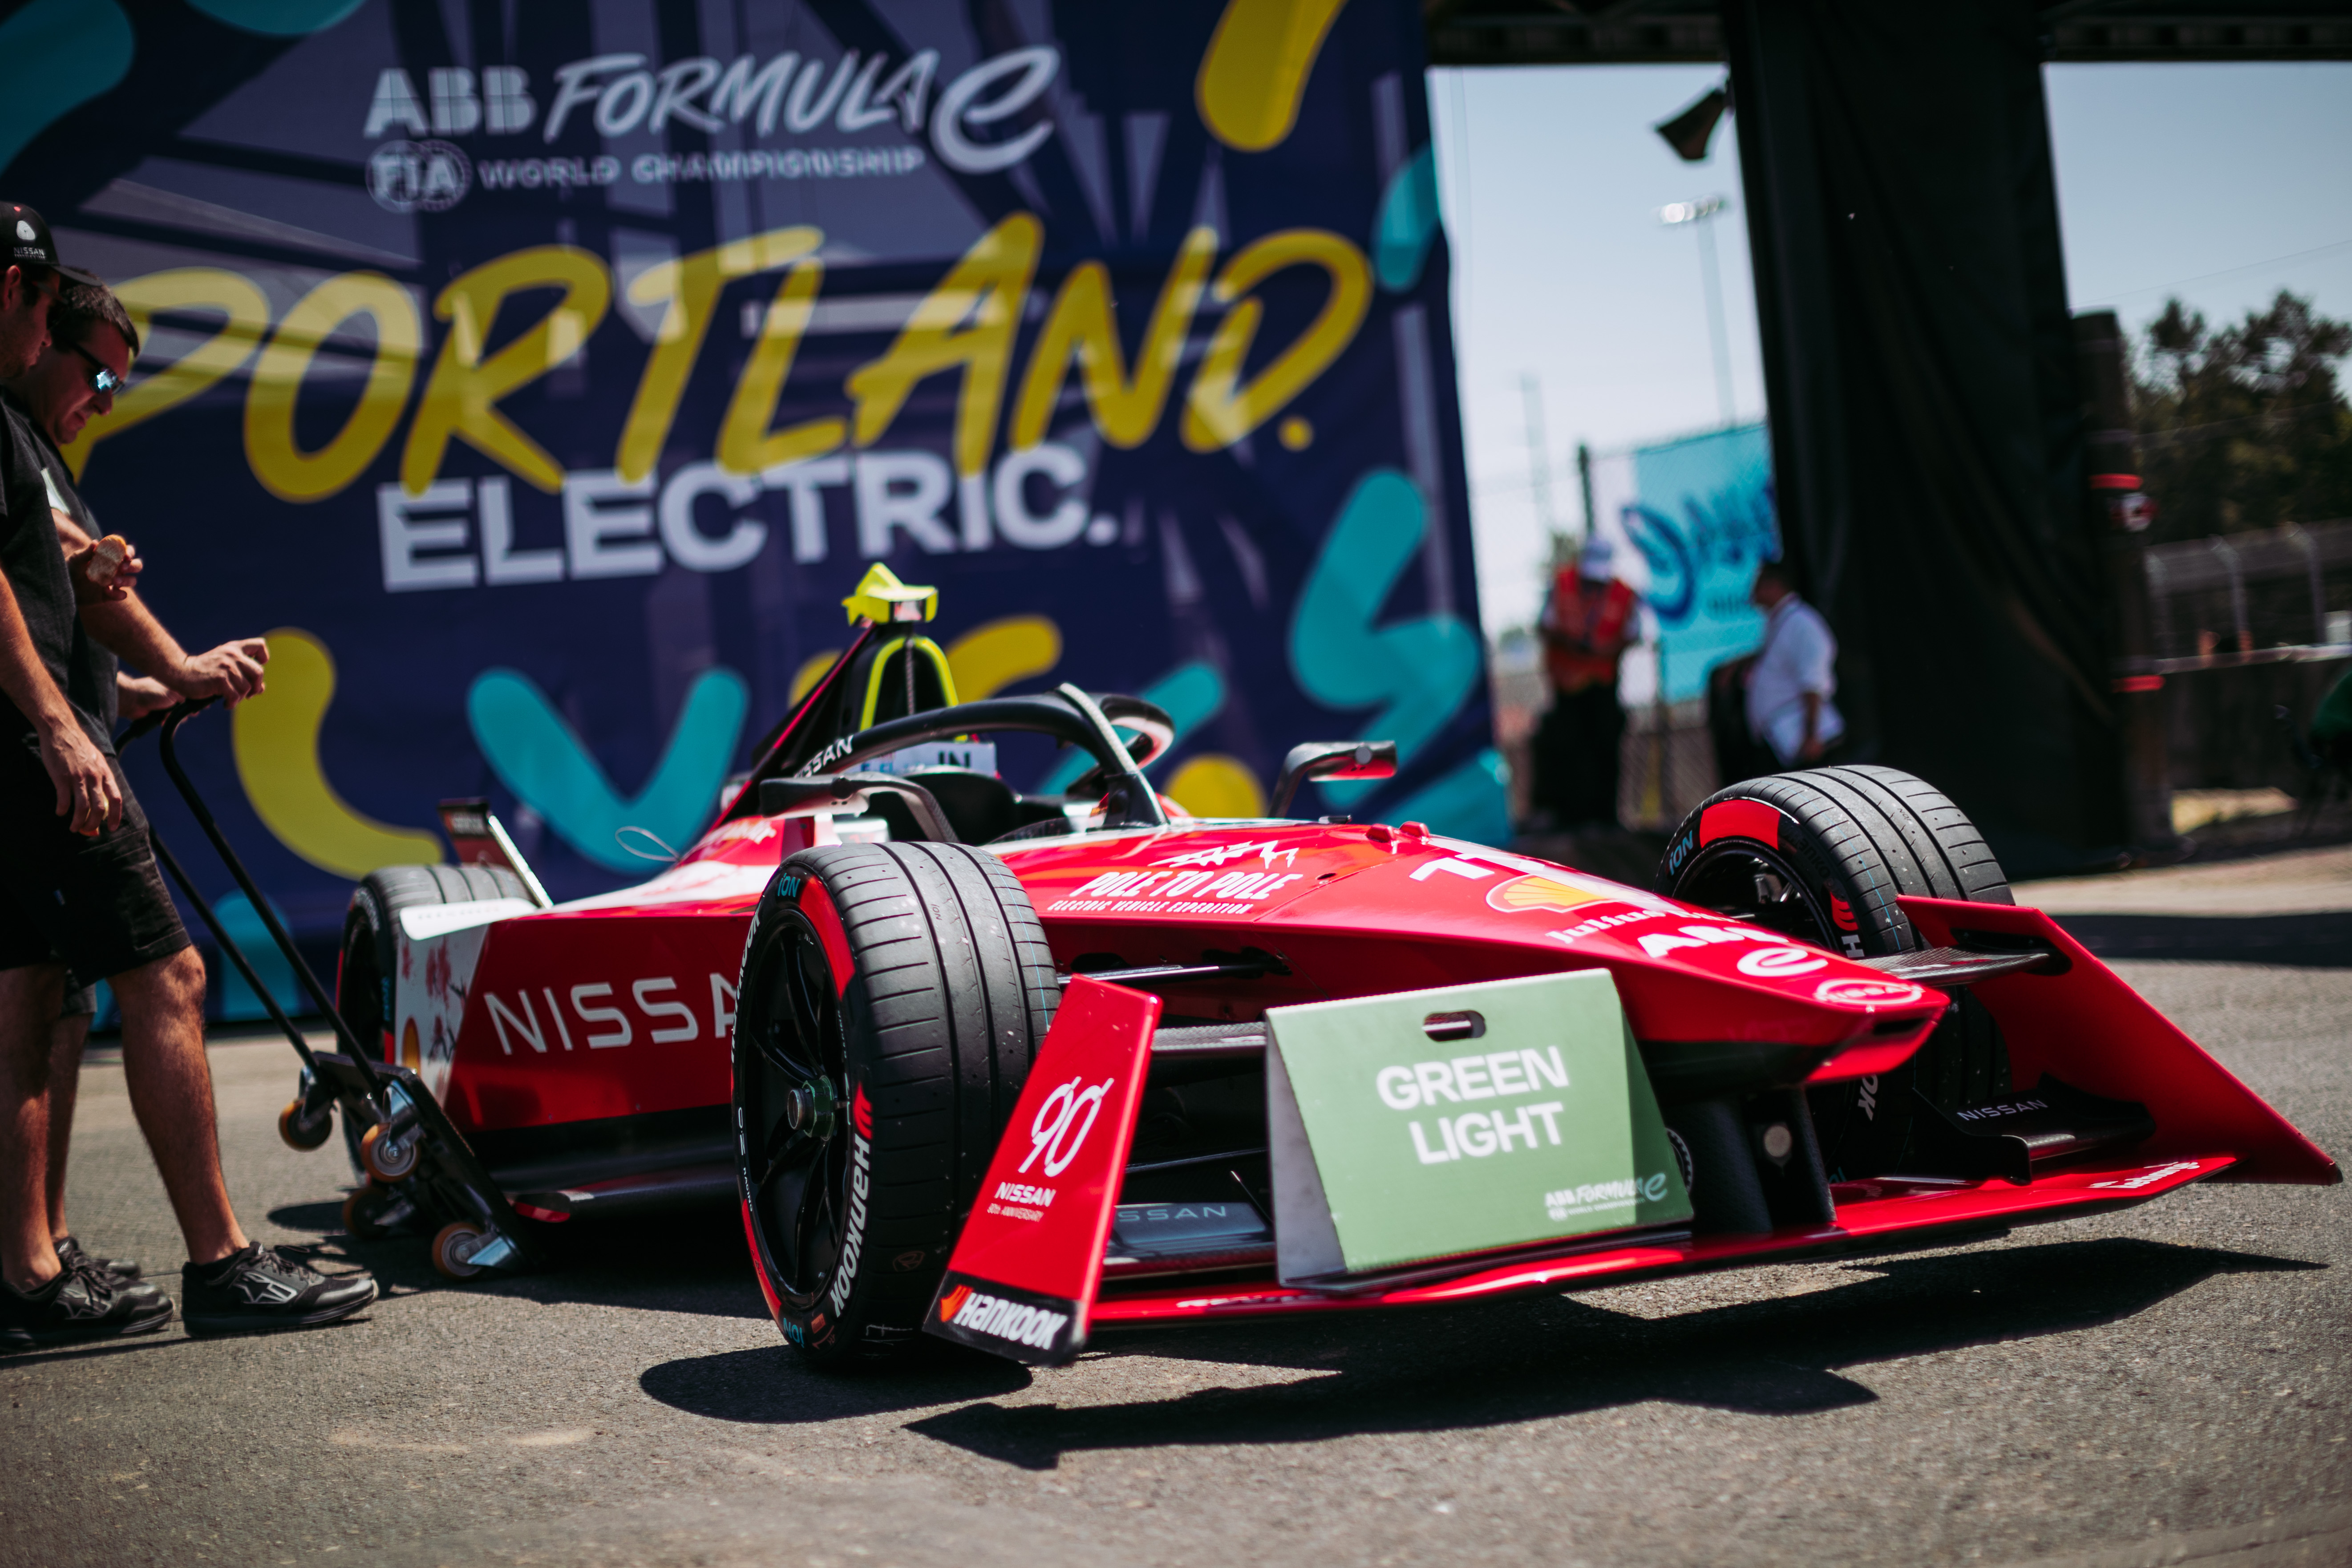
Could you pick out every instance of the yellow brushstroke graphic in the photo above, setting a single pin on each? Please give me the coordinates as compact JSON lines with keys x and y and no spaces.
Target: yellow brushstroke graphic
{"x":1257,"y":68}
{"x":988,"y":658}
{"x":1542,"y":893}
{"x":810,"y":672}
{"x":276,"y":738}
{"x":1217,"y":785}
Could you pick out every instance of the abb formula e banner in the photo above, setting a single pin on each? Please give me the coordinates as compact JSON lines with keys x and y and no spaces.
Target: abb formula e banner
{"x":542,"y":378}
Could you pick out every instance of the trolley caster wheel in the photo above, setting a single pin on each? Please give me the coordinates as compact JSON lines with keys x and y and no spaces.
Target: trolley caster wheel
{"x":297,"y":1133}
{"x":387,"y":1160}
{"x":454,"y":1248}
{"x":371,"y":1211}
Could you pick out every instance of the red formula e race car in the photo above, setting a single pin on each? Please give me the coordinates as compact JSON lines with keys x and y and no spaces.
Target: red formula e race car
{"x":1012,"y":1069}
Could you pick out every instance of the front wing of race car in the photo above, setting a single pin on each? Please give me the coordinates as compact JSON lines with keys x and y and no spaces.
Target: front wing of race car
{"x":1028,"y":1277}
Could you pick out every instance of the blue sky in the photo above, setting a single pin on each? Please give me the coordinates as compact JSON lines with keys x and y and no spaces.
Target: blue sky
{"x":2221,"y":182}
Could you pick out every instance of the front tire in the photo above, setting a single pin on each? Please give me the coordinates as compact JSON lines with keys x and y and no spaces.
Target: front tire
{"x":1821,"y":856}
{"x":891,"y":1000}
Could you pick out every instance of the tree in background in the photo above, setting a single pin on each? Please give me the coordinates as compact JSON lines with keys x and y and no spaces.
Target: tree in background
{"x":2244,"y":427}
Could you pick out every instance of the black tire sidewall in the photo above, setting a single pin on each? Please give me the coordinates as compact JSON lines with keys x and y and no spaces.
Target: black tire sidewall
{"x":1856,"y":838}
{"x":892,"y":1253}
{"x":367,"y":939}
{"x":370,"y":955}
{"x":1853,"y":903}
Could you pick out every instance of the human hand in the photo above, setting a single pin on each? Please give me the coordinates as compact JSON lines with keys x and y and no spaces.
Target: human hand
{"x":87,"y":792}
{"x":136,"y":696}
{"x":104,"y":571}
{"x":231,"y":671}
{"x":1811,"y":751}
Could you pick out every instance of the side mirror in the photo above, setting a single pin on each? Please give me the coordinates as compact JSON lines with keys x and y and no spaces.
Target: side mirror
{"x":785,"y":797}
{"x":1332,"y":760}
{"x":479,"y":838}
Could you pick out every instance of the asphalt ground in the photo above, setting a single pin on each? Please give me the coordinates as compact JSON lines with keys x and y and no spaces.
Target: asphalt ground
{"x":2165,"y":1384}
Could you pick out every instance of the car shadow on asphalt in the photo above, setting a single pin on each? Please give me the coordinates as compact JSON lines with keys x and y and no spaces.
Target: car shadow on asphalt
{"x":2317,"y":940}
{"x":689,"y":1262}
{"x":1503,"y":1362}
{"x":777,"y":1386}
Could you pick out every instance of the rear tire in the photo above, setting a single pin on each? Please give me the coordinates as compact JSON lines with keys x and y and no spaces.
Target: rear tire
{"x":891,"y":1000}
{"x":1846,"y":841}
{"x":370,"y":953}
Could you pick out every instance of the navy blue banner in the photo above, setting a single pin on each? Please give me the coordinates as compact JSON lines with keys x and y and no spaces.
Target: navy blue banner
{"x":542,"y":378}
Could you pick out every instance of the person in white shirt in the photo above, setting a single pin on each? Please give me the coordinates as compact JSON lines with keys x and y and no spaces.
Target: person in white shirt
{"x":1794,"y":675}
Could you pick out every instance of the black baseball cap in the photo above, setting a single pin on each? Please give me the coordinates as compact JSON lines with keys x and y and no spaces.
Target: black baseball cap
{"x":30,"y":243}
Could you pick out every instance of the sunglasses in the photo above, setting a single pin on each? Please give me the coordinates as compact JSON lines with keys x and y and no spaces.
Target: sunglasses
{"x":102,"y":379}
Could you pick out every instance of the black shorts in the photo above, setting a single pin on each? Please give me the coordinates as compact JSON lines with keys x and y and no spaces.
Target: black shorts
{"x":95,"y":906}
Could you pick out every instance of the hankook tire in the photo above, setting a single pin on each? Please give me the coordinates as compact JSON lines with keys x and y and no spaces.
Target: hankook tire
{"x":892,"y":998}
{"x":1821,"y":856}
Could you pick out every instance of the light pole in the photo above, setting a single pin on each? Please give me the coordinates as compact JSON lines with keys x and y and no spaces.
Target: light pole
{"x":1539,"y":461}
{"x":1698,"y":214}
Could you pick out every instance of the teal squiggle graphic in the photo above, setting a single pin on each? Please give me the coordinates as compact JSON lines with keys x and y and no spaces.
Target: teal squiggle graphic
{"x":535,"y":755}
{"x":1418,"y":671}
{"x":242,"y":923}
{"x":1192,"y":694}
{"x":55,"y":56}
{"x":278,"y":18}
{"x":1407,"y":222}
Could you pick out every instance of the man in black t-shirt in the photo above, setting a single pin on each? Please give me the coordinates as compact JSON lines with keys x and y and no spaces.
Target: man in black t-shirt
{"x":84,"y":895}
{"x":59,"y":395}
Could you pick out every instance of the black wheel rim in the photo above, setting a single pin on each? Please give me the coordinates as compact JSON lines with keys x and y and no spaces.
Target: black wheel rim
{"x":1755,"y":884}
{"x":791,"y":1072}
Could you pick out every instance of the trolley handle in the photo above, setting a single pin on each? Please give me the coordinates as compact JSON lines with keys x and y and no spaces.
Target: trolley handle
{"x":168,"y":720}
{"x":147,"y":723}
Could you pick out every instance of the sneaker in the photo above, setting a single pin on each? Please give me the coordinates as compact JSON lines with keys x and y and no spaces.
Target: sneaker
{"x":259,"y":1290}
{"x":69,"y":1250}
{"x":103,"y":1272}
{"x":79,"y":1303}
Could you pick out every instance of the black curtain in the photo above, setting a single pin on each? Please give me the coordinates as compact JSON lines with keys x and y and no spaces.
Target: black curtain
{"x":1926,"y":426}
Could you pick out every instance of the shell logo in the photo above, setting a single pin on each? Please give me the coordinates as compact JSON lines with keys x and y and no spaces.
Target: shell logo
{"x":1544,"y":893}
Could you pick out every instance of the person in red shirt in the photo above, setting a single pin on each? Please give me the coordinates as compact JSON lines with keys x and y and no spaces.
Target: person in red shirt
{"x":1589,"y":621}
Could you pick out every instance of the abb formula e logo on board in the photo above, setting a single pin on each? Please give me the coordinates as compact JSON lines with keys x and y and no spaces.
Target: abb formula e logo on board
{"x":515,"y":1018}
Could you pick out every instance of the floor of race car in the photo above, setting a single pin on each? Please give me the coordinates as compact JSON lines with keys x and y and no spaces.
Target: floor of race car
{"x":1892,"y":1214}
{"x":2172,"y":1381}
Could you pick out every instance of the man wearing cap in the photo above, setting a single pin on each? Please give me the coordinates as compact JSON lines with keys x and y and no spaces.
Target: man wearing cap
{"x":1587,"y":622}
{"x":79,"y":885}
